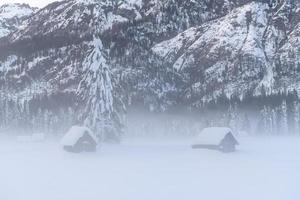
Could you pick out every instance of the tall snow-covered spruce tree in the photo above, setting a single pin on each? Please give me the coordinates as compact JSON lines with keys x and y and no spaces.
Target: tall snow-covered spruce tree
{"x":101,"y":109}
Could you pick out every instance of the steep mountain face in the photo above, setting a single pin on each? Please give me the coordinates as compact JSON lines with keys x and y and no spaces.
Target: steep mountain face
{"x":240,"y":54}
{"x":55,"y":64}
{"x":287,"y":64}
{"x":94,"y":58}
{"x":12,"y":16}
{"x":47,"y":55}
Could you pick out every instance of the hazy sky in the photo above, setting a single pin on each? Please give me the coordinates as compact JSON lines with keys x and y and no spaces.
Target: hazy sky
{"x":37,"y":3}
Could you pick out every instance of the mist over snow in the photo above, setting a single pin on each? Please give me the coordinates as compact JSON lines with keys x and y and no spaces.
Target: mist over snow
{"x":262,"y":168}
{"x":154,"y":160}
{"x":149,"y":100}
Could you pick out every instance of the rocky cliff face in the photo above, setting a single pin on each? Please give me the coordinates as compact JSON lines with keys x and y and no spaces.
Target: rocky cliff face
{"x":12,"y":16}
{"x":243,"y":53}
{"x":85,"y":56}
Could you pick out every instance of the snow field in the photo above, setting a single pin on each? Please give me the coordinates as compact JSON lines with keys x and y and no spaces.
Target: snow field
{"x":148,"y":169}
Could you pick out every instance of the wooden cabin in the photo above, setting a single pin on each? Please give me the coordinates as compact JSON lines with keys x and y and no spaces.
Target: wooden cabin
{"x":216,"y":138}
{"x":79,"y":139}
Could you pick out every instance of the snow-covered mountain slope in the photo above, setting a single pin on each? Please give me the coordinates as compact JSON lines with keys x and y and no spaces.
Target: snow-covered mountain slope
{"x":68,"y":22}
{"x":52,"y":62}
{"x":287,"y":65}
{"x":12,"y":16}
{"x":74,"y":18}
{"x":105,"y":55}
{"x":73,"y":21}
{"x":52,"y":45}
{"x":233,"y":55}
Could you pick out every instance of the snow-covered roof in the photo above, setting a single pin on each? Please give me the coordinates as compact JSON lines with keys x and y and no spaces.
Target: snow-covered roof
{"x":76,"y":132}
{"x":212,"y":135}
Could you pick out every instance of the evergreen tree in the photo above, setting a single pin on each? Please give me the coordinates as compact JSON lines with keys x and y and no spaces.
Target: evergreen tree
{"x":265,"y":120}
{"x":274,"y":121}
{"x":296,"y":117}
{"x":233,"y":117}
{"x":246,"y":124}
{"x":100,"y":106}
{"x":284,"y":118}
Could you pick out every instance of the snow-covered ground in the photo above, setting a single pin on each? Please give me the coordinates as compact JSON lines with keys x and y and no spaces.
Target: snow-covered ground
{"x":140,"y":169}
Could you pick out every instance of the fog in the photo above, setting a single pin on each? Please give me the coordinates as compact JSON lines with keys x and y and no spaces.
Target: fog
{"x":265,"y":168}
{"x":149,"y":100}
{"x":154,"y":160}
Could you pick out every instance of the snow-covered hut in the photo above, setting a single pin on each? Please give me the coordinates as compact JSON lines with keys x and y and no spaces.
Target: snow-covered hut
{"x":217,"y":138}
{"x":79,"y":139}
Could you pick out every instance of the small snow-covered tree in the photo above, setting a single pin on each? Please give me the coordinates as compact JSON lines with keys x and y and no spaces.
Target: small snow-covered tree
{"x":233,"y":120}
{"x":274,"y":121}
{"x":96,"y":92}
{"x":246,"y":124}
{"x":70,"y":116}
{"x":284,"y":117}
{"x":264,"y":119}
{"x":296,"y":116}
{"x":46,"y":121}
{"x":268,"y":123}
